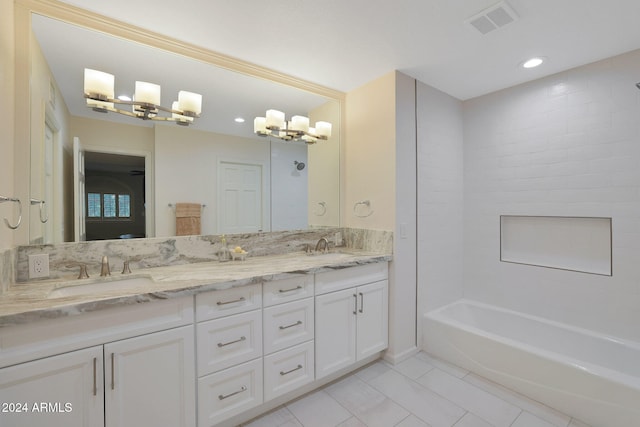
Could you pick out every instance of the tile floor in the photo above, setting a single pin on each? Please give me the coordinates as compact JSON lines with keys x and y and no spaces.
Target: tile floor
{"x":419,"y":392}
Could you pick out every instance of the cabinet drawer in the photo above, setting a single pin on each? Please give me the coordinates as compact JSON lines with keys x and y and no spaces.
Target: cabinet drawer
{"x":225,"y":342}
{"x":46,"y":337}
{"x":216,"y":304}
{"x":229,"y":392}
{"x":288,"y":369}
{"x":335,"y":280}
{"x":287,"y":290}
{"x":288,"y":324}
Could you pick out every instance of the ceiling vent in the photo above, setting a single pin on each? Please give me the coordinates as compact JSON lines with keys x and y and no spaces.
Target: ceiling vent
{"x":492,"y":18}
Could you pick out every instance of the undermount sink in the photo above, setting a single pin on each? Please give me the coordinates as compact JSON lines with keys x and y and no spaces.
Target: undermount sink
{"x":99,"y":286}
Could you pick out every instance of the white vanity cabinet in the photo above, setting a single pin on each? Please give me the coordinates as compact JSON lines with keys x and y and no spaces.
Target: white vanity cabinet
{"x":72,"y":383}
{"x":138,"y":371}
{"x":289,"y":330}
{"x":149,"y":380}
{"x":229,"y":352}
{"x":351,"y":316}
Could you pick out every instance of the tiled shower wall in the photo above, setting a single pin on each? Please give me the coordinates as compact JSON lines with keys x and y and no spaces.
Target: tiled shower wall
{"x":566,"y":145}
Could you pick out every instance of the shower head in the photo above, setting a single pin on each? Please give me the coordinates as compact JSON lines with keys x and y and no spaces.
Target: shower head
{"x":299,"y":165}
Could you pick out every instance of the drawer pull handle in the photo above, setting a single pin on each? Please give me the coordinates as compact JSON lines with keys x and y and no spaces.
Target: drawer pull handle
{"x":297,"y":368}
{"x":282,"y":291}
{"x":299,"y":322}
{"x":230,"y":302}
{"x":220,"y":344}
{"x":113,"y":375}
{"x":355,"y":307}
{"x":95,"y":376}
{"x":224,"y":396}
{"x":361,"y":302}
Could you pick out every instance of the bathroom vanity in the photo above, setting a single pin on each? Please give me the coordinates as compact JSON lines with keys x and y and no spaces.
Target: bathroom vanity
{"x":195,"y":344}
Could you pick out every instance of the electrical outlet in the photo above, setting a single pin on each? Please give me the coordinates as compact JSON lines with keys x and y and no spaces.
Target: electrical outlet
{"x":38,"y":266}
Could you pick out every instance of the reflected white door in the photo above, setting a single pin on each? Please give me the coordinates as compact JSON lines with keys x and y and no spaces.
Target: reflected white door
{"x":239,"y":197}
{"x":79,"y":203}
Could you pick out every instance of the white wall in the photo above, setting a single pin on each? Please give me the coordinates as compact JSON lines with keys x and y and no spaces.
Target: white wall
{"x":186,"y":171}
{"x":440,"y":198}
{"x":288,"y":186}
{"x":7,"y":91}
{"x":566,"y":145}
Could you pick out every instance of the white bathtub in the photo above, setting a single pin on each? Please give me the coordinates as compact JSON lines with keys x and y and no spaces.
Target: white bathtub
{"x":592,"y":377}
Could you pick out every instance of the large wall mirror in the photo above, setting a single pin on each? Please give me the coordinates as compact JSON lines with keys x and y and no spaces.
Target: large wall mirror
{"x":135,"y":172}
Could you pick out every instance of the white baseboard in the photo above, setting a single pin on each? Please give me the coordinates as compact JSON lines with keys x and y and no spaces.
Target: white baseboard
{"x":395,"y":358}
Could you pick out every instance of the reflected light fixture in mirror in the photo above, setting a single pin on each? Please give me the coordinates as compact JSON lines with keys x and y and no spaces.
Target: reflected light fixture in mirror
{"x":99,"y":92}
{"x":274,"y":124}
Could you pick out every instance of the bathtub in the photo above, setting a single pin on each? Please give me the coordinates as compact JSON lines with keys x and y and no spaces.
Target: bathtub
{"x":592,"y":377}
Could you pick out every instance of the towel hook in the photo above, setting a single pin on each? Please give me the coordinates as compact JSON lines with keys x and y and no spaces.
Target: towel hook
{"x":323,"y":205}
{"x":6,"y":221}
{"x":366,"y":203}
{"x":42,"y":209}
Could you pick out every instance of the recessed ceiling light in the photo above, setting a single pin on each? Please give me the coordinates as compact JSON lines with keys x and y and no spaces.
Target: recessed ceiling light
{"x":124,"y":98}
{"x":239,"y":120}
{"x":533,"y":62}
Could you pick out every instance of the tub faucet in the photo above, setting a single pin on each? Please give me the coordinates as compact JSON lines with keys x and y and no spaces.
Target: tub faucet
{"x":325,"y":244}
{"x":104,"y":270}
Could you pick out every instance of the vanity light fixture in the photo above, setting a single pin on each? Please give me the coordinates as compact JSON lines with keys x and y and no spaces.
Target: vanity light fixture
{"x":297,"y":129}
{"x":99,"y":92}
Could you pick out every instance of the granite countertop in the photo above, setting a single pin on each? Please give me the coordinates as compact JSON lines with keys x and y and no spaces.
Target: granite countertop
{"x":32,"y":301}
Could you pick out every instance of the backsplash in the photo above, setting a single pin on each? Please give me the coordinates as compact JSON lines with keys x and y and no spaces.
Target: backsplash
{"x":7,"y":268}
{"x":162,"y":251}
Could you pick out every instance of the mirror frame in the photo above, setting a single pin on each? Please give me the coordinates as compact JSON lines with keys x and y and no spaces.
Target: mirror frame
{"x":90,"y":20}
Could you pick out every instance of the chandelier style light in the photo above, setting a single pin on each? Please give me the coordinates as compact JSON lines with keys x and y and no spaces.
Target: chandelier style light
{"x":99,"y":92}
{"x":274,"y":124}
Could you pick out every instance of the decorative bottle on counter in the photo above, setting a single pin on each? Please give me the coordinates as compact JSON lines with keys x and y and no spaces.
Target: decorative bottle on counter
{"x":223,"y":252}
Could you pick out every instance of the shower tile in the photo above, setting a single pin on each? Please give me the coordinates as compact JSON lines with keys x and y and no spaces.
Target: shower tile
{"x":485,"y":405}
{"x":422,"y":402}
{"x":544,"y":412}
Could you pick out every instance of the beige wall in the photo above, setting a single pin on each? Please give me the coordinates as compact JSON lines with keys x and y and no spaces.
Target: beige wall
{"x":324,"y":169}
{"x":380,"y":166}
{"x":7,"y":64}
{"x":369,"y":154}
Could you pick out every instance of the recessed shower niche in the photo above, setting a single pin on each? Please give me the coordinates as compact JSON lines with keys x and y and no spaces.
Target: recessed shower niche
{"x":581,"y":244}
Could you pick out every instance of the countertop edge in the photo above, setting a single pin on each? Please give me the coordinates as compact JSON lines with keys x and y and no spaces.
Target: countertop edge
{"x":71,"y":306}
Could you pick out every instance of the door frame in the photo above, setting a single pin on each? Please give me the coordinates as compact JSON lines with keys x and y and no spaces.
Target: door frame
{"x":266,"y":196}
{"x":149,"y":181}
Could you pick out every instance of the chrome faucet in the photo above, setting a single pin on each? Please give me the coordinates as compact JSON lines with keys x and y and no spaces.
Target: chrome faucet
{"x":104,"y":270}
{"x":326,"y":244}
